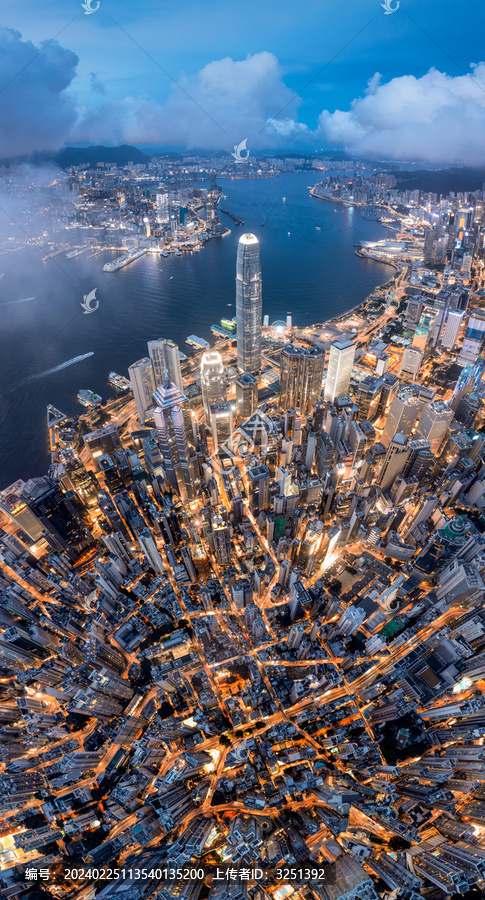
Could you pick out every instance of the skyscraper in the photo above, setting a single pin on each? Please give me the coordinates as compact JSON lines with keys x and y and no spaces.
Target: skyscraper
{"x":212,"y":381}
{"x":340,"y":364}
{"x":433,"y":423}
{"x":221,"y":422}
{"x":143,"y":385}
{"x":423,"y":329}
{"x":301,"y":374}
{"x":394,"y":461}
{"x":63,"y":528}
{"x":246,"y":395}
{"x":450,"y":334}
{"x":411,"y":361}
{"x":176,"y":440}
{"x":403,"y":413}
{"x":248,"y":304}
{"x":474,"y":336}
{"x":164,"y":355}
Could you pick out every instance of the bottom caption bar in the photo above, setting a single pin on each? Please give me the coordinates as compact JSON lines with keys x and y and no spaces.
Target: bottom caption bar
{"x":132,"y":874}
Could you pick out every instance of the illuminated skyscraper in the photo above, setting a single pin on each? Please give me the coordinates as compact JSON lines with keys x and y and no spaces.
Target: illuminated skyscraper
{"x":301,"y":373}
{"x":340,"y":364}
{"x":212,"y":381}
{"x":248,"y":304}
{"x":433,"y":423}
{"x":403,"y":413}
{"x":450,"y":333}
{"x":164,"y":355}
{"x":176,"y":440}
{"x":143,"y":385}
{"x":246,"y":395}
{"x":64,"y":530}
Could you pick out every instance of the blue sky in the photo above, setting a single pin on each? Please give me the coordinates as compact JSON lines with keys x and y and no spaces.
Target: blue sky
{"x":107,"y":78}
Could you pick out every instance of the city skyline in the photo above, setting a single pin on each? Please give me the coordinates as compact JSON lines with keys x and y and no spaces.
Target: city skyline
{"x":242,"y":451}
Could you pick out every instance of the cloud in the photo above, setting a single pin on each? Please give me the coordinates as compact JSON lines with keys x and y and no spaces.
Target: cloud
{"x":227,"y":101}
{"x":36,"y":113}
{"x":96,"y":85}
{"x":437,"y":118}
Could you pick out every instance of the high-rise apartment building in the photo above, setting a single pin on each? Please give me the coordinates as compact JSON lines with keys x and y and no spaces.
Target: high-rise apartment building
{"x":339,"y":372}
{"x":301,"y":374}
{"x":213,"y":381}
{"x":164,"y":356}
{"x":143,"y":386}
{"x":248,"y":304}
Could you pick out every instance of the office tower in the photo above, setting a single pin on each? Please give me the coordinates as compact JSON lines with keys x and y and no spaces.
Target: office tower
{"x":143,"y":386}
{"x":164,"y":355}
{"x":301,"y":374}
{"x":176,"y":440}
{"x":473,"y":340}
{"x":367,"y":397}
{"x":459,"y":581}
{"x":403,"y":413}
{"x":423,"y":329}
{"x":246,"y":395}
{"x":411,"y":361}
{"x":149,"y":548}
{"x":414,"y":310}
{"x":468,"y":408}
{"x":340,"y":364}
{"x":16,"y":508}
{"x":394,"y":461}
{"x":74,"y":477}
{"x":419,"y":461}
{"x":118,"y":546}
{"x":451,"y":330}
{"x":212,"y":381}
{"x":63,"y":527}
{"x":103,"y":441}
{"x":435,"y":246}
{"x":220,"y":537}
{"x":433,"y":423}
{"x":258,"y":477}
{"x":221,"y":423}
{"x":248,"y":304}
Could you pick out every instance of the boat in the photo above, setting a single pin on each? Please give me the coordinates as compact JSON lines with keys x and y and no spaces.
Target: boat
{"x":160,"y":270}
{"x":284,"y":199}
{"x":229,"y":324}
{"x":119,"y":381}
{"x":318,"y":227}
{"x":170,"y":278}
{"x":289,"y":233}
{"x":88,"y":398}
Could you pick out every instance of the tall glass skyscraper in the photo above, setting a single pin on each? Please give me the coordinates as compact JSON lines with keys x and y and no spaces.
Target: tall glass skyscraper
{"x":248,"y":304}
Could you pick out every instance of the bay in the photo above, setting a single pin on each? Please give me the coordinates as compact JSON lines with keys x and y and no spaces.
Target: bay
{"x":309,"y":268}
